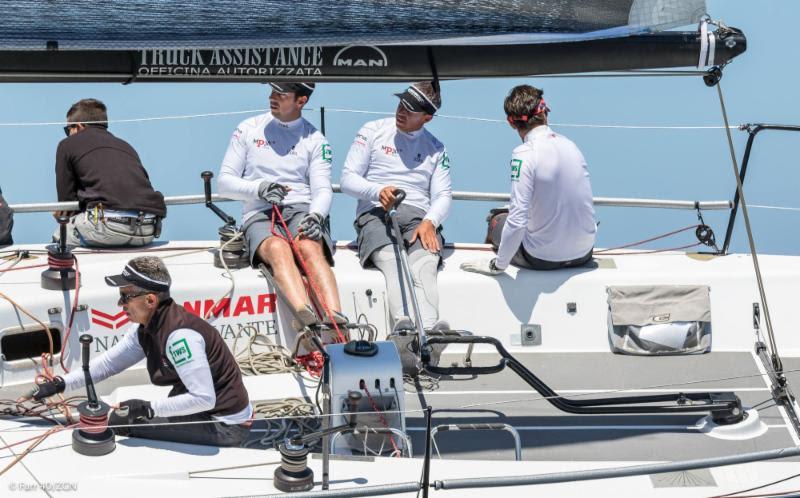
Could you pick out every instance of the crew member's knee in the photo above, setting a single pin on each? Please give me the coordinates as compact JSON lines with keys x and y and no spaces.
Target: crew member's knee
{"x":275,"y":251}
{"x":311,"y":250}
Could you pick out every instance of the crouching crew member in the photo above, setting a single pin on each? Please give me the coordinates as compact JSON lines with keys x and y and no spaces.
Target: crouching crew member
{"x":551,"y":222}
{"x":117,"y":204}
{"x":181,"y":351}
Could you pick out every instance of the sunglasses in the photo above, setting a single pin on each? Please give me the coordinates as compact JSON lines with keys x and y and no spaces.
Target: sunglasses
{"x":125,"y":298}
{"x":67,"y":128}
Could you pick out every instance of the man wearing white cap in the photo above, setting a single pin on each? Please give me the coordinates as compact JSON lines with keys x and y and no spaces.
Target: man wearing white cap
{"x":280,"y":159}
{"x":208,"y":403}
{"x":399,"y":153}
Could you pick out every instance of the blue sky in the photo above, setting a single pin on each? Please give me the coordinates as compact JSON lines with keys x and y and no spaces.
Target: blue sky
{"x":759,"y":86}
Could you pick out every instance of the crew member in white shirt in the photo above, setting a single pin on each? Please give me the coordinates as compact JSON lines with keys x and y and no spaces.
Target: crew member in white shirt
{"x":280,"y":159}
{"x":399,"y":153}
{"x":551,"y":222}
{"x":208,"y":403}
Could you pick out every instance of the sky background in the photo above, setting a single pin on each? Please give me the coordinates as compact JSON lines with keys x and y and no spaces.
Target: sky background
{"x":759,"y":87}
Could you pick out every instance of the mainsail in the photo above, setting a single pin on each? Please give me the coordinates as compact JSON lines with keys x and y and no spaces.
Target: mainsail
{"x":365,"y":40}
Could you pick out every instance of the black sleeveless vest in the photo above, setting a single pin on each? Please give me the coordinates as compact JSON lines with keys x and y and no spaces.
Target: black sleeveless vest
{"x":228,"y":385}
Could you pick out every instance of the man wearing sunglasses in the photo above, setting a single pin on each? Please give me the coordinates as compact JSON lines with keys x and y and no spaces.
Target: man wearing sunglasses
{"x":208,"y":403}
{"x":393,"y":153}
{"x":279,"y":159}
{"x":117,"y":205}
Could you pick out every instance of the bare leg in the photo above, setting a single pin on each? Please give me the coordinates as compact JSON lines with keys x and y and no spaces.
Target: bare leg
{"x":279,"y":255}
{"x":320,"y":271}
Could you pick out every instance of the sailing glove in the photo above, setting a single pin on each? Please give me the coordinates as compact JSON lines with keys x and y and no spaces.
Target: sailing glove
{"x":47,"y":389}
{"x":137,"y":408}
{"x":484,"y":267}
{"x":272,"y":192}
{"x":311,"y":226}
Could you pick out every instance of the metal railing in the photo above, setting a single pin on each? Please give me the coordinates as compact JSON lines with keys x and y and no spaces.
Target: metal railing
{"x":45,"y":207}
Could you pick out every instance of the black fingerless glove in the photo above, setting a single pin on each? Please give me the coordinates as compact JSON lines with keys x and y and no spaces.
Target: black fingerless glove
{"x":49,"y":388}
{"x":138,"y":408}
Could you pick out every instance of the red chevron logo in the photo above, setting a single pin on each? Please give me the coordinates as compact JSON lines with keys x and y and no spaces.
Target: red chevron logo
{"x":112,"y":322}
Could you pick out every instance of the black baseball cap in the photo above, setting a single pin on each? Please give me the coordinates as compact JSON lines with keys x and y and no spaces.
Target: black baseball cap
{"x":131,"y":275}
{"x":416,"y":101}
{"x":299,"y":89}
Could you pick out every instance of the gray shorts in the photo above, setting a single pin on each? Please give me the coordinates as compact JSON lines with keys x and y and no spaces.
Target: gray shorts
{"x":258,"y":228}
{"x":374,"y":231}
{"x":85,"y":231}
{"x":523,"y":259}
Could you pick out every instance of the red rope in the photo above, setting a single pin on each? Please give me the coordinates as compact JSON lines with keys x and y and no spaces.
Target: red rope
{"x":312,"y":362}
{"x":317,"y":294}
{"x":657,"y":237}
{"x":23,"y":267}
{"x":382,"y":419}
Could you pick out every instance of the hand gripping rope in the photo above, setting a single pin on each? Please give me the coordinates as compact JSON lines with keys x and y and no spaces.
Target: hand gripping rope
{"x":312,"y":361}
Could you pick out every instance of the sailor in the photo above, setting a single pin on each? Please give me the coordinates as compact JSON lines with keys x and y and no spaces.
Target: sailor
{"x":279,"y":159}
{"x":399,"y":153}
{"x":117,"y":203}
{"x":182,"y":351}
{"x":551,"y":222}
{"x":6,"y":222}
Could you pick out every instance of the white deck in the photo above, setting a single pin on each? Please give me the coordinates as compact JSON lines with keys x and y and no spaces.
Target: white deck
{"x":573,"y":358}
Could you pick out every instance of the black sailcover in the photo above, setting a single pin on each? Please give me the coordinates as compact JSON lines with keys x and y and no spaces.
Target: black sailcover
{"x":364,"y":40}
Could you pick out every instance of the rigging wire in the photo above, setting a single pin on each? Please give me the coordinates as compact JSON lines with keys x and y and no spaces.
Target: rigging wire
{"x":776,"y":360}
{"x":733,"y":494}
{"x":360,"y":111}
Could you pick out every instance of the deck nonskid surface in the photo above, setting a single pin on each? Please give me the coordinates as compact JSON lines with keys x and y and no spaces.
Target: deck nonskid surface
{"x":549,"y":434}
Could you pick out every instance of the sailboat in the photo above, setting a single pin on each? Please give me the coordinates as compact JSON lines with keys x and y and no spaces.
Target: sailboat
{"x":548,"y":384}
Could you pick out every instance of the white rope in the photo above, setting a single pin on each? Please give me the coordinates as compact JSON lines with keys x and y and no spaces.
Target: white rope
{"x":359,"y":111}
{"x":782,"y":208}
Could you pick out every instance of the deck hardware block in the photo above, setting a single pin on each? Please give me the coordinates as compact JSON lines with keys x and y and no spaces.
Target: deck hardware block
{"x":530,"y":334}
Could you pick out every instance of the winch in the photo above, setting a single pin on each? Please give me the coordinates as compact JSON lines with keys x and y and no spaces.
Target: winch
{"x":61,"y":273}
{"x":231,"y":250}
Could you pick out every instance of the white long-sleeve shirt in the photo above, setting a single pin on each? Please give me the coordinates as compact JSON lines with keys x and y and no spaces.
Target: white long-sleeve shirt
{"x":552,"y":212}
{"x":293,"y":154}
{"x":416,"y":162}
{"x":195,"y":375}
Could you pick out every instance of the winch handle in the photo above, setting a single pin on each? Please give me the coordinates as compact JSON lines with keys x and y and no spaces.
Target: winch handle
{"x":62,"y":233}
{"x":399,"y":197}
{"x":504,"y":356}
{"x":207,"y":176}
{"x":86,"y":342}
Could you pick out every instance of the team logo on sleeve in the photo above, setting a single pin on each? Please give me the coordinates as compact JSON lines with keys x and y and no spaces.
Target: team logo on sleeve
{"x":327,"y":155}
{"x":360,"y":139}
{"x":516,"y":169}
{"x":444,"y":162}
{"x":180,"y":352}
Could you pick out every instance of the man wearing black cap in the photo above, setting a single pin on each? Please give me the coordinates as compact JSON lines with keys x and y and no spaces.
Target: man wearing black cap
{"x":117,"y":203}
{"x":182,"y":351}
{"x":279,"y":159}
{"x":551,"y":222}
{"x":393,"y":153}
